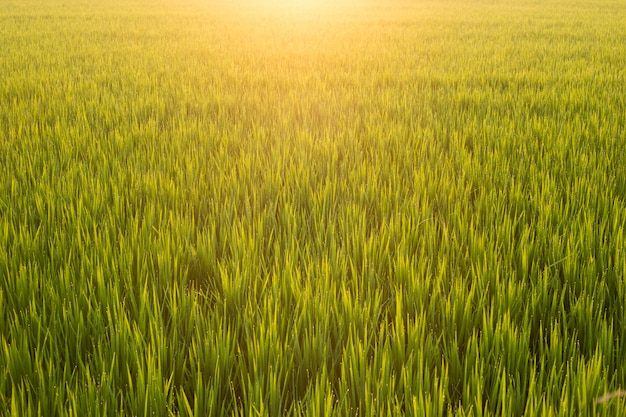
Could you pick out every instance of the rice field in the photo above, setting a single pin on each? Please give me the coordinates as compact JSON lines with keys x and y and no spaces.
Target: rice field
{"x":314,"y":208}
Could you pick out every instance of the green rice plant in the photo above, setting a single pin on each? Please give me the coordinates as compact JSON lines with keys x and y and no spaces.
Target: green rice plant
{"x":357,"y":208}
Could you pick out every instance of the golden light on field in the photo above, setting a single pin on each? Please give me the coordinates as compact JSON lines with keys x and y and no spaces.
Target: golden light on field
{"x":294,"y":5}
{"x":300,"y":7}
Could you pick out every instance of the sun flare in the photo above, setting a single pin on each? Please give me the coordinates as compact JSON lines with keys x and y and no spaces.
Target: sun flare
{"x":298,"y":6}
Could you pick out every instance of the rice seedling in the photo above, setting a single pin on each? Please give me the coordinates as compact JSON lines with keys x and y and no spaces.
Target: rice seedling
{"x":357,"y":208}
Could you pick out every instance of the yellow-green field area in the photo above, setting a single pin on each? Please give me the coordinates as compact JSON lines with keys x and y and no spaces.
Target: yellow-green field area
{"x":312,"y":208}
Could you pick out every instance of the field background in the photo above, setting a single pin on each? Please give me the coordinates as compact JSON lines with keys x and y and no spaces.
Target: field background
{"x":337,"y":209}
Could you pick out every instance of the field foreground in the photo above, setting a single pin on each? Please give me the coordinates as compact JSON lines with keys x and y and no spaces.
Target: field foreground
{"x":312,"y":208}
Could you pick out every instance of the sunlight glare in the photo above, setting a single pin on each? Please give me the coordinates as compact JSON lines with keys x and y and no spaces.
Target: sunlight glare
{"x":301,"y":7}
